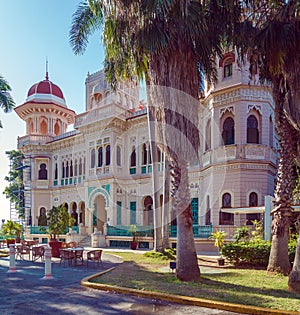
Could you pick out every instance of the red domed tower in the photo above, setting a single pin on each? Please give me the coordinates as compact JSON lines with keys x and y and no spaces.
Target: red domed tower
{"x":45,"y":111}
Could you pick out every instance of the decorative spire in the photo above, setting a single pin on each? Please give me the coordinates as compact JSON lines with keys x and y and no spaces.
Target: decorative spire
{"x":47,"y":77}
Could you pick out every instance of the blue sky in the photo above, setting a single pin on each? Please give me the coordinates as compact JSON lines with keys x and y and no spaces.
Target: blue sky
{"x":32,"y":30}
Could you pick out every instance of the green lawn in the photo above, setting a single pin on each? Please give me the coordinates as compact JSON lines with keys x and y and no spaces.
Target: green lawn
{"x":241,"y":286}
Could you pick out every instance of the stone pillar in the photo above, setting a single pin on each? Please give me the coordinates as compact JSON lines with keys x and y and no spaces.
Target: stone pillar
{"x":48,"y":274}
{"x":12,"y":258}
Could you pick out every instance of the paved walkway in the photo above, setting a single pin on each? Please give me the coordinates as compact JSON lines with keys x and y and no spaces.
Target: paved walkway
{"x":25,"y":292}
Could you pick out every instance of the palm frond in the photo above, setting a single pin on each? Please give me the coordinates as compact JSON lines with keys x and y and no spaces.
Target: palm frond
{"x":85,"y":21}
{"x":6,"y":101}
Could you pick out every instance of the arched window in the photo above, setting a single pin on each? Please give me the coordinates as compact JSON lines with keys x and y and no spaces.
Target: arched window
{"x":31,"y":128}
{"x":228,"y":131}
{"x":226,"y":200}
{"x":67,"y":169}
{"x":133,"y":157}
{"x":71,"y":169}
{"x":253,"y":202}
{"x":92,"y":158}
{"x":107,"y":155}
{"x":100,"y":156}
{"x":159,"y":157}
{"x":253,"y":199}
{"x":228,"y":67}
{"x":252,"y":130}
{"x":226,"y":218}
{"x":207,"y":213}
{"x":208,"y":136}
{"x":56,"y":129}
{"x":118,"y":155}
{"x":43,"y":171}
{"x":43,"y":211}
{"x":42,"y":219}
{"x":43,"y":127}
{"x":80,"y":167}
{"x":63,"y":170}
{"x":56,"y":171}
{"x":144,"y":154}
{"x":149,"y":156}
{"x":75,"y":168}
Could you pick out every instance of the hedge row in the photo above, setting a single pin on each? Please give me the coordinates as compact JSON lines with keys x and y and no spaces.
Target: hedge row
{"x":254,"y":253}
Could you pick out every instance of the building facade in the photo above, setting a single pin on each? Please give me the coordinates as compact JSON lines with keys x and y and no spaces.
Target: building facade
{"x":101,"y":170}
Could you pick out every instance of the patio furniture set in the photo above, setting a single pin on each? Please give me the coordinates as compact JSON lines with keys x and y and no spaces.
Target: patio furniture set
{"x":69,"y":253}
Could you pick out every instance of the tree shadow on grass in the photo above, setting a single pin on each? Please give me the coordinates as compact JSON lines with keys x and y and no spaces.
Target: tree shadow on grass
{"x":210,"y":287}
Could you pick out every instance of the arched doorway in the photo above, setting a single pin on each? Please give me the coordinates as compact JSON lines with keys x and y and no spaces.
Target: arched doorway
{"x":148,"y":211}
{"x":74,"y":213}
{"x":81,"y":207}
{"x":99,"y":212}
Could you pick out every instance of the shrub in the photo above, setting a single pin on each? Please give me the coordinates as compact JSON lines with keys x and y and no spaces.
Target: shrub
{"x":242,"y":234}
{"x":254,"y":253}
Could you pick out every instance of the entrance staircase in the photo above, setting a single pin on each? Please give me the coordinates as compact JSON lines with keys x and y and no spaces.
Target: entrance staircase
{"x":86,"y":241}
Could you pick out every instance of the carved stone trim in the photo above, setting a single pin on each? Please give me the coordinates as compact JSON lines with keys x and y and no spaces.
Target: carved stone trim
{"x":229,"y":109}
{"x":253,"y":107}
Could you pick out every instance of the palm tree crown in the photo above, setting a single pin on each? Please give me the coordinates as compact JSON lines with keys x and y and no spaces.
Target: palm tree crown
{"x":6,"y":101}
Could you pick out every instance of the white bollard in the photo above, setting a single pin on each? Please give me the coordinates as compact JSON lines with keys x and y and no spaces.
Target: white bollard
{"x":47,"y":256}
{"x":12,"y":258}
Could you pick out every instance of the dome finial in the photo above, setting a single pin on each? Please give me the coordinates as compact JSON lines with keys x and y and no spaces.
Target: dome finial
{"x":47,"y":77}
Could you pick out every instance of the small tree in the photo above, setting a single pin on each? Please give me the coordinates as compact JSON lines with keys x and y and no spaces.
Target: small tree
{"x":219,"y":238}
{"x":58,"y":221}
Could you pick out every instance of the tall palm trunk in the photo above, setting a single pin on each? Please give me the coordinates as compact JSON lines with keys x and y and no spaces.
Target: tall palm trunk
{"x":166,"y":205}
{"x":176,"y":115}
{"x":157,"y":213}
{"x":279,"y":260}
{"x":294,"y":276}
{"x":186,"y":258}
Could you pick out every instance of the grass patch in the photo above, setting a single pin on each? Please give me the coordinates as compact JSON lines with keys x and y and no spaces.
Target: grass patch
{"x":242,"y":286}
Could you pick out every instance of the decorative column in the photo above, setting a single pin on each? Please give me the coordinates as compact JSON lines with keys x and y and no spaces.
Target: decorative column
{"x":12,"y":259}
{"x":47,"y":255}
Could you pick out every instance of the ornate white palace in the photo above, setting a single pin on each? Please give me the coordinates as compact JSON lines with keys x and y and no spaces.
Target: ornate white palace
{"x":101,"y":170}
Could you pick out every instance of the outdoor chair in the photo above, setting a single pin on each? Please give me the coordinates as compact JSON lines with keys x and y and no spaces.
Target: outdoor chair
{"x":78,"y":257}
{"x":71,"y":245}
{"x":63,"y":245}
{"x":66,"y":255}
{"x":38,"y":252}
{"x":23,"y":250}
{"x":94,"y":255}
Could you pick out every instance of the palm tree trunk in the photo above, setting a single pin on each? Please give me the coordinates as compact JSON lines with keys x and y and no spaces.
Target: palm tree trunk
{"x":166,"y":205}
{"x":294,"y":276}
{"x":279,"y":260}
{"x":186,"y":258}
{"x":157,"y":213}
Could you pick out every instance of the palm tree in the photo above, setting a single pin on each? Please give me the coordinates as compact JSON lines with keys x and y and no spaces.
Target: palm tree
{"x":169,"y":44}
{"x":12,"y":228}
{"x":276,"y":49}
{"x":6,"y":101}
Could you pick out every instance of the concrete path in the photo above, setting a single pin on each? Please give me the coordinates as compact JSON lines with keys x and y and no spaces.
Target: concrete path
{"x":25,"y":292}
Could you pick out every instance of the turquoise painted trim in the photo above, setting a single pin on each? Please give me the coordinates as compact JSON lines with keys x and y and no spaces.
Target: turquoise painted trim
{"x":92,"y":192}
{"x":199,"y":231}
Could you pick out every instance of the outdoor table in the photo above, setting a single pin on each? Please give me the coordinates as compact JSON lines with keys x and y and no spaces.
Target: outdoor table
{"x":75,"y":251}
